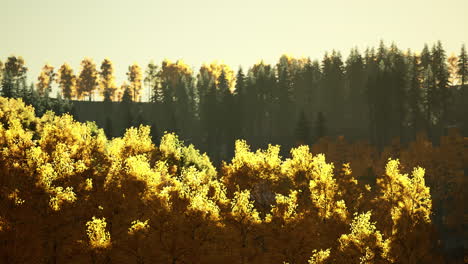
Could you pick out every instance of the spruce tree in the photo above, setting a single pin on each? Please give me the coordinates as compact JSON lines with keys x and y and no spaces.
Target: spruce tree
{"x":302,"y":130}
{"x":320,"y":126}
{"x":463,"y":65}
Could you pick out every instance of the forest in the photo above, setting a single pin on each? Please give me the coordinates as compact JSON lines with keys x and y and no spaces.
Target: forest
{"x":356,"y":161}
{"x":380,"y":95}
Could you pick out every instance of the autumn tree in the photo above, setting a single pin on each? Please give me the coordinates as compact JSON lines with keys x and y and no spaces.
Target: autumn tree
{"x":66,"y":80}
{"x":405,"y":215}
{"x":88,"y":79}
{"x":106,"y":81}
{"x":45,"y":80}
{"x":14,"y":77}
{"x":364,"y":244}
{"x":134,"y":78}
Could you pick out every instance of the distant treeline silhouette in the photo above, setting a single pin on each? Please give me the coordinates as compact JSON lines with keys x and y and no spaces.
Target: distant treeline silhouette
{"x":382,"y":94}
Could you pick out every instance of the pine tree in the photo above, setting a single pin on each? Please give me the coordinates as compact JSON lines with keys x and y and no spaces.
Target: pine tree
{"x":442,"y":92}
{"x":153,"y":82}
{"x":426,"y":58}
{"x":463,"y":65}
{"x":333,"y":87}
{"x":226,"y":114}
{"x":320,"y":126}
{"x":302,"y":130}
{"x":414,"y":93}
{"x":127,"y":103}
{"x":355,"y":87}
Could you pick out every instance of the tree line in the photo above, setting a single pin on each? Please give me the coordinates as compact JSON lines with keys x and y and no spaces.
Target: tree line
{"x":70,"y":194}
{"x":378,"y":95}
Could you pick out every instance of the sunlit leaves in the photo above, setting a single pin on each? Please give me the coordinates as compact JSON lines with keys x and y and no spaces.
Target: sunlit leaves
{"x":319,"y":257}
{"x":67,"y":81}
{"x":106,"y":81}
{"x":243,"y":210}
{"x":138,"y":226}
{"x":98,"y":236}
{"x":45,"y":80}
{"x":87,"y":79}
{"x":214,"y":71}
{"x":364,"y":244}
{"x":168,"y":202}
{"x":61,"y":195}
{"x":286,"y":206}
{"x":134,"y":75}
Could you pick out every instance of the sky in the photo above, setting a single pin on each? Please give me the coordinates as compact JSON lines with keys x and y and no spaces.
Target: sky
{"x":238,"y":33}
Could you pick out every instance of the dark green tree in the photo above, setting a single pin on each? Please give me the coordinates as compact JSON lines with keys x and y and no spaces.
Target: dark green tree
{"x":463,"y":65}
{"x":320,"y":126}
{"x":355,"y":90}
{"x":302,"y":131}
{"x":442,"y":91}
{"x":153,"y":82}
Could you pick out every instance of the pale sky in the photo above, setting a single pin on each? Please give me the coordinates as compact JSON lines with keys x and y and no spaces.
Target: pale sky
{"x":237,"y":32}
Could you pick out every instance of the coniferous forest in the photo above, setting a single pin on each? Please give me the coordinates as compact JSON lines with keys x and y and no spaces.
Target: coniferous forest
{"x":340,"y":160}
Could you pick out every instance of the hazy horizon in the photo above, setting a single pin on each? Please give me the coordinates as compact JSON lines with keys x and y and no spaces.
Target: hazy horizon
{"x":237,"y":33}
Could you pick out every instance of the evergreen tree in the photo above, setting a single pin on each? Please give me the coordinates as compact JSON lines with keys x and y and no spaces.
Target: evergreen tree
{"x":226,"y":114}
{"x":426,"y":58}
{"x":240,"y":94}
{"x":320,"y":126}
{"x":333,"y":87}
{"x":442,"y":92}
{"x":153,"y":82}
{"x":302,"y":130}
{"x":355,"y":89}
{"x":414,"y":94}
{"x":127,"y":94}
{"x":127,"y":103}
{"x":463,"y":65}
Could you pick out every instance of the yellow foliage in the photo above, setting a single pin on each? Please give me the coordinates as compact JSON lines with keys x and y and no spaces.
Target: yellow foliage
{"x":319,"y":257}
{"x":266,"y":163}
{"x":258,"y":209}
{"x":242,"y":209}
{"x":214,"y":70}
{"x":286,"y":206}
{"x":15,"y":197}
{"x":138,"y":226}
{"x":45,"y":79}
{"x":97,"y":234}
{"x":172,"y":73}
{"x":135,"y":77}
{"x":364,"y":244}
{"x":60,"y":196}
